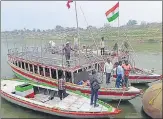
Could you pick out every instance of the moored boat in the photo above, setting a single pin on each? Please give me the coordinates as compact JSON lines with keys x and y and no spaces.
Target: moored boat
{"x":142,"y":76}
{"x":34,"y":65}
{"x":43,"y":98}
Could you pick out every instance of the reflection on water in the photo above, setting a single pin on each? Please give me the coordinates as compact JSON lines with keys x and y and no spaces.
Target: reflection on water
{"x":130,"y":108}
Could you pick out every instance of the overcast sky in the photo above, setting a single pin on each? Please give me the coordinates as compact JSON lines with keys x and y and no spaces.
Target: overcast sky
{"x":48,"y":14}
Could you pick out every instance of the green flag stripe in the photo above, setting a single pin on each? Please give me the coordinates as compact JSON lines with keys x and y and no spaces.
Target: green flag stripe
{"x":110,"y":19}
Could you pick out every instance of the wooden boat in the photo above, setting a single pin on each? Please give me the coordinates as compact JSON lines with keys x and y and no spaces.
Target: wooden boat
{"x":45,"y":99}
{"x":142,"y":76}
{"x":32,"y":64}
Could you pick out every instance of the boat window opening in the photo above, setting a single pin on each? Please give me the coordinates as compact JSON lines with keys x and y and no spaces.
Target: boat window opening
{"x":23,"y":65}
{"x":80,"y":70}
{"x":19,"y":65}
{"x":16,"y":63}
{"x":31,"y":68}
{"x":53,"y":73}
{"x":13,"y":61}
{"x":68,"y":77}
{"x":35,"y":69}
{"x":89,"y":67}
{"x":96,"y":66}
{"x":60,"y":72}
{"x":47,"y":73}
{"x":26,"y":65}
{"x":41,"y":71}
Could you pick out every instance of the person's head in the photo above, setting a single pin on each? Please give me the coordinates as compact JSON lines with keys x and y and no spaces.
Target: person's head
{"x":102,"y":38}
{"x":126,"y":62}
{"x":120,"y":63}
{"x":108,"y":60}
{"x":67,"y":44}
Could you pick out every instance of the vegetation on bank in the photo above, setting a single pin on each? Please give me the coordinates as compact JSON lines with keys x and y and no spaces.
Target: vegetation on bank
{"x":143,"y":37}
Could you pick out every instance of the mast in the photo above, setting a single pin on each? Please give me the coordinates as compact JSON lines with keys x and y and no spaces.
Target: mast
{"x":77,"y":25}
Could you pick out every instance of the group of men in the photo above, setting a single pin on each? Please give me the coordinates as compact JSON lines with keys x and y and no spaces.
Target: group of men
{"x":122,"y":72}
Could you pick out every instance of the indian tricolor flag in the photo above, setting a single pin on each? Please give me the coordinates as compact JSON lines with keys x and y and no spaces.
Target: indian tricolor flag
{"x":112,"y":13}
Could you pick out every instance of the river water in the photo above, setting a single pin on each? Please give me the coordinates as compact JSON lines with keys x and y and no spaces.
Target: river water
{"x":130,"y":108}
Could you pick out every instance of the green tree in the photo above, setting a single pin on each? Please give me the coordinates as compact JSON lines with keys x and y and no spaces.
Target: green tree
{"x":131,"y":22}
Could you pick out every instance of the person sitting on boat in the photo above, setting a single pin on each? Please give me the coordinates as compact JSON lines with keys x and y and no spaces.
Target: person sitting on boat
{"x":119,"y":72}
{"x":102,"y":45}
{"x":94,"y":84}
{"x":67,"y":49}
{"x":108,"y":67}
{"x":81,"y":82}
{"x":61,"y":87}
{"x":127,"y":69}
{"x":86,"y":83}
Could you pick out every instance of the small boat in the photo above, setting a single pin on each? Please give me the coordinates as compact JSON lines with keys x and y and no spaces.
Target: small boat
{"x":142,"y":76}
{"x":43,"y":98}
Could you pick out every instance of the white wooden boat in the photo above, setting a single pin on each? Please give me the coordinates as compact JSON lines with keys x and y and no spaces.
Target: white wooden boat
{"x":31,"y":64}
{"x":43,"y":98}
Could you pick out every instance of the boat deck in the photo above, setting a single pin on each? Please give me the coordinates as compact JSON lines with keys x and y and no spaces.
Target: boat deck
{"x":72,"y":102}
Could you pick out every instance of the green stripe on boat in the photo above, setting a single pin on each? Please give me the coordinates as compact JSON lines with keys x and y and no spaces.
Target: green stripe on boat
{"x":23,"y":88}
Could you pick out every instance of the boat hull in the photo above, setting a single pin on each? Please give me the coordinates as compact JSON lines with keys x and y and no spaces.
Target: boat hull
{"x":142,"y":79}
{"x":134,"y":79}
{"x":45,"y":109}
{"x":109,"y":94}
{"x":9,"y":85}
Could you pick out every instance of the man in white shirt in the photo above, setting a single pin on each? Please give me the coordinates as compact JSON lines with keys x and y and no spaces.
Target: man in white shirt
{"x":102,"y":45}
{"x":108,"y":67}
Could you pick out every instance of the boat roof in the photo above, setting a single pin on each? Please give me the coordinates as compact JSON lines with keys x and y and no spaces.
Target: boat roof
{"x":56,"y":60}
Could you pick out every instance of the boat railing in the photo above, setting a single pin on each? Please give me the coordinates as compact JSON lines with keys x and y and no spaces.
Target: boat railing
{"x":40,"y":55}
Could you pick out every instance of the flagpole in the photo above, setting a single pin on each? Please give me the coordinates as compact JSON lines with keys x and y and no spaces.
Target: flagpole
{"x":118,"y":32}
{"x":77,"y":30}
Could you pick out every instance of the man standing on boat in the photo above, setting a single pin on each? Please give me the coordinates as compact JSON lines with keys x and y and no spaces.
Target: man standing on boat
{"x":108,"y":67}
{"x":127,"y":69}
{"x":67,"y":49}
{"x":94,"y":88}
{"x":61,"y":87}
{"x":102,"y":45}
{"x":120,"y":74}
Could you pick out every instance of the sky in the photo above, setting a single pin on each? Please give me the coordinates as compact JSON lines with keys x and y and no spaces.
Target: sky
{"x":47,"y":14}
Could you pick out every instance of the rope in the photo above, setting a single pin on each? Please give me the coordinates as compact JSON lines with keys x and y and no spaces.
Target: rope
{"x":153,"y":99}
{"x":93,"y":39}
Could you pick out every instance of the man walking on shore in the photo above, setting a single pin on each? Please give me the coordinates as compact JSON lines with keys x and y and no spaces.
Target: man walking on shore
{"x":108,"y":67}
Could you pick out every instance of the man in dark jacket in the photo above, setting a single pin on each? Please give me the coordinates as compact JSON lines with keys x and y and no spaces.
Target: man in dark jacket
{"x":94,"y":88}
